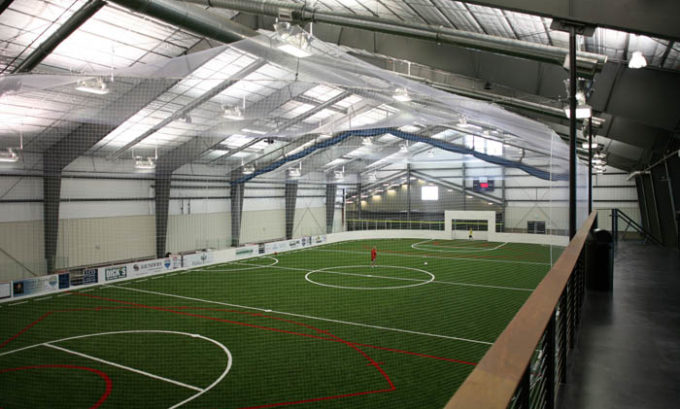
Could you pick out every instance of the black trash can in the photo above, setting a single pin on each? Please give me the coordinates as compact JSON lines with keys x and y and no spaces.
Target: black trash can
{"x":600,"y":261}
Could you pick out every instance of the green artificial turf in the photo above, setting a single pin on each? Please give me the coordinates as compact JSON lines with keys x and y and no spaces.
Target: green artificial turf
{"x":314,"y":328}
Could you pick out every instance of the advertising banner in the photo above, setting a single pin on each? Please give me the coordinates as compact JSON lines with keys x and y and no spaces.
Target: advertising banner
{"x":36,"y":285}
{"x":197,"y":259}
{"x":293,"y":244}
{"x":5,"y":290}
{"x":84,"y":276}
{"x":319,"y":239}
{"x":245,"y":252}
{"x":115,"y":272}
{"x":64,"y":281}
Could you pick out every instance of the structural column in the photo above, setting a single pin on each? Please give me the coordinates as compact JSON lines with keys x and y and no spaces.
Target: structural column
{"x":237,"y":190}
{"x":162,"y":202}
{"x":290,"y":196}
{"x":51,"y":199}
{"x":331,"y":190}
{"x":572,"y":132}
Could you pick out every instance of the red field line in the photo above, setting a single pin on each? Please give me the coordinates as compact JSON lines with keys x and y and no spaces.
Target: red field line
{"x":329,"y":337}
{"x":26,"y":328}
{"x":104,"y":376}
{"x":335,"y":338}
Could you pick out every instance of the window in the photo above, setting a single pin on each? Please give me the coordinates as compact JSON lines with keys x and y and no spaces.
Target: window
{"x":430,"y":193}
{"x":536,"y":227}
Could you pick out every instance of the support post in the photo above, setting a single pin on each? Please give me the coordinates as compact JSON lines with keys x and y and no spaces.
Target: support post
{"x":331,"y":190}
{"x":550,"y":363}
{"x":572,"y":132}
{"x":408,"y":196}
{"x":162,"y":202}
{"x":290,"y":196}
{"x":361,"y":225}
{"x":51,"y":199}
{"x":236,"y":192}
{"x":590,"y":165}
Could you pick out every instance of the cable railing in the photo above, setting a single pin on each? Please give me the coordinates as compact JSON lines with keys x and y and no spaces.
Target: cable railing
{"x":523,"y":368}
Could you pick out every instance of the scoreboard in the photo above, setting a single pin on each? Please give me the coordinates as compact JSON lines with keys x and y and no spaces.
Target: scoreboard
{"x":482,"y":185}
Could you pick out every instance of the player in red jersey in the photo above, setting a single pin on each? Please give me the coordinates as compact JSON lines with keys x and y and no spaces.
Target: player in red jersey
{"x":374,"y":254}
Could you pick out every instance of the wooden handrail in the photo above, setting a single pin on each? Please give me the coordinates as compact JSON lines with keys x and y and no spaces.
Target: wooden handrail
{"x":493,"y":382}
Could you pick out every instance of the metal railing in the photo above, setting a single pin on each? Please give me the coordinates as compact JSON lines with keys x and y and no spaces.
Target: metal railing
{"x":618,"y":215}
{"x":528,"y":361}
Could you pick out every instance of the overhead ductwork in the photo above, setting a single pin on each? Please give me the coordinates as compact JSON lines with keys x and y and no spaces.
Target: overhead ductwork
{"x":190,"y":18}
{"x":588,"y":64}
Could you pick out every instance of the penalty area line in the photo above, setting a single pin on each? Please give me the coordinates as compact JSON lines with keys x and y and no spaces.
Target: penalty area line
{"x":311,"y":317}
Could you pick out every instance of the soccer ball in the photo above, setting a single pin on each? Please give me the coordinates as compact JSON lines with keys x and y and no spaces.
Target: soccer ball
{"x":425,"y":263}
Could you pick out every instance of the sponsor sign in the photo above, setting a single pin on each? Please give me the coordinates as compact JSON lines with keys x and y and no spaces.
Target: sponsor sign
{"x":5,"y":290}
{"x":84,"y":276}
{"x":151,"y":266}
{"x":35,"y":285}
{"x":294,"y":244}
{"x":115,"y":273}
{"x":319,"y":239}
{"x":260,"y":248}
{"x":248,"y":251}
{"x":64,"y":281}
{"x":198,"y":259}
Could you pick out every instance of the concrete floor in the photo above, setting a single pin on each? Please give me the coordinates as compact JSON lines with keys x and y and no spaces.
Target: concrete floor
{"x":628,"y":350}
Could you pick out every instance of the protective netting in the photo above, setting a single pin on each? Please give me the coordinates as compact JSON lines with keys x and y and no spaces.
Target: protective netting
{"x":138,"y":162}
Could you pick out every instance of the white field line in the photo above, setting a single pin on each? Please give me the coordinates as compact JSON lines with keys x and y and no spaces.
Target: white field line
{"x":127,"y":368}
{"x":445,"y":249}
{"x":141,"y":281}
{"x":157,"y":277}
{"x":414,"y":279}
{"x":17,"y":303}
{"x":190,"y":398}
{"x":405,"y":279}
{"x":386,"y":254}
{"x":43,"y":298}
{"x":356,"y":324}
{"x":63,"y":295}
{"x":87,"y":291}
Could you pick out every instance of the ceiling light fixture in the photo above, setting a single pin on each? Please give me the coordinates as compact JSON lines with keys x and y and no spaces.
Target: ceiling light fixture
{"x":96,"y":86}
{"x":8,"y":156}
{"x":637,"y":60}
{"x":255,"y":131}
{"x":366,"y":141}
{"x":295,"y":41}
{"x":233,"y":113}
{"x":145,"y":163}
{"x":401,"y":95}
{"x":583,"y":111}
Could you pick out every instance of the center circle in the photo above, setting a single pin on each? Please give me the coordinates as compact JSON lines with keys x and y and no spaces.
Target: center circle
{"x":380,"y":272}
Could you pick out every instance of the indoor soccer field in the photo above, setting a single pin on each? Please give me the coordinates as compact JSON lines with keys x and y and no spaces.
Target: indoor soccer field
{"x":313,"y":328}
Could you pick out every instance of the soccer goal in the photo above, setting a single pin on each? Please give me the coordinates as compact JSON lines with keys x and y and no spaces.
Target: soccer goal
{"x":469,"y":224}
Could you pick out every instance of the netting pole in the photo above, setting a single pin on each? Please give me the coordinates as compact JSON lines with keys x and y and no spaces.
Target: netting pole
{"x":572,"y":131}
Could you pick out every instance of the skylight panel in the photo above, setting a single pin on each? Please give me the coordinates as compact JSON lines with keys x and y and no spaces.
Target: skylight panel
{"x":320,"y":116}
{"x":322,"y":93}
